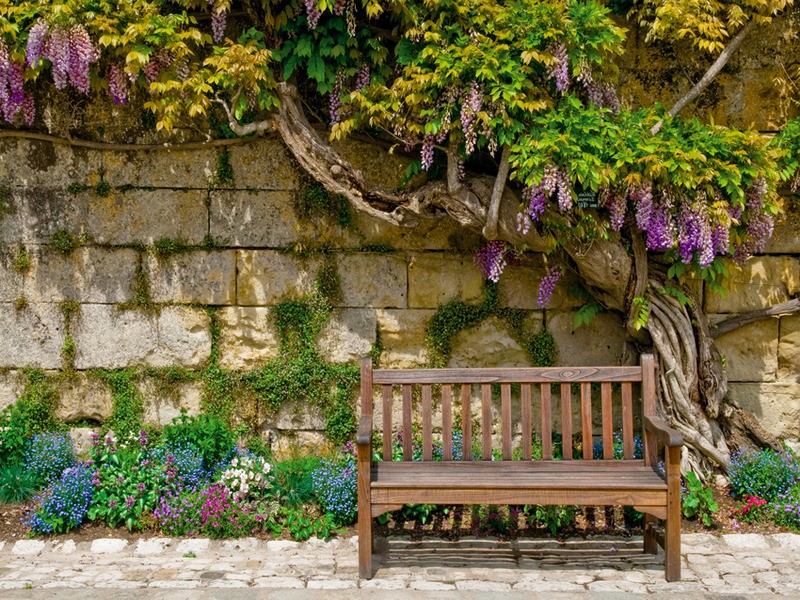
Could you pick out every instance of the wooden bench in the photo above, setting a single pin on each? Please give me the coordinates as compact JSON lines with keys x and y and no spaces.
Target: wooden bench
{"x":386,"y":485}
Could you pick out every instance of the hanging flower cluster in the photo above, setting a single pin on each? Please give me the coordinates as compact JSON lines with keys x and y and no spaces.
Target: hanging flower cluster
{"x":70,"y":52}
{"x":14,"y":100}
{"x":492,"y":259}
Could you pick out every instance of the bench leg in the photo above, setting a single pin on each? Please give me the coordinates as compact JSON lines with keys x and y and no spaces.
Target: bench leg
{"x":650,"y":543}
{"x":672,"y":527}
{"x":364,"y":546}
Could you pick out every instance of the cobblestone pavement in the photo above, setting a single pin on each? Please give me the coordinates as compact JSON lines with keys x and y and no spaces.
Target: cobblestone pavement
{"x":730,"y":566}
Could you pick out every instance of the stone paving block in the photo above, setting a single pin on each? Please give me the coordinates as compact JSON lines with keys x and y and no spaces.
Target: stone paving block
{"x":283,"y":546}
{"x":151,"y":546}
{"x":62,"y":547}
{"x":746,"y":540}
{"x":332,"y":584}
{"x":28,"y":547}
{"x":431,"y":586}
{"x":548,"y":586}
{"x":248,"y":544}
{"x":279,"y":582}
{"x":787,"y":540}
{"x":87,"y":275}
{"x":194,"y":277}
{"x":384,"y":584}
{"x":32,"y":336}
{"x":108,"y":546}
{"x":174,"y":584}
{"x":225,"y":583}
{"x":478,"y":585}
{"x":107,"y":337}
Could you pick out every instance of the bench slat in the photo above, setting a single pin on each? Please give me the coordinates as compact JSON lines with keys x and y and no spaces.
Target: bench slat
{"x":586,"y":421}
{"x":608,"y":424}
{"x":507,"y":375}
{"x":466,"y":421}
{"x":527,"y":420}
{"x":486,"y":421}
{"x":547,"y":422}
{"x":387,"y":422}
{"x":447,"y":422}
{"x":427,"y":423}
{"x":627,"y":421}
{"x":505,"y":417}
{"x":407,"y":429}
{"x":566,"y":421}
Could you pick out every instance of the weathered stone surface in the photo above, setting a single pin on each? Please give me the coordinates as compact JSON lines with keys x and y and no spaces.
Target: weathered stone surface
{"x":789,"y":348}
{"x":403,"y":337}
{"x":776,"y":405}
{"x":107,"y":337}
{"x":299,"y":416}
{"x":601,"y":342}
{"x":34,"y":215}
{"x":37,"y":164}
{"x":488,"y":345}
{"x":83,"y":397}
{"x":254,"y":219}
{"x":784,"y":238}
{"x":762,"y":282}
{"x":262,"y":164}
{"x":10,"y":279}
{"x":141,"y":216}
{"x":163,"y":401}
{"x":88,"y":274}
{"x":519,"y":288}
{"x":287,"y":443}
{"x":32,"y":336}
{"x":247,"y":338}
{"x":12,"y":383}
{"x":82,"y":439}
{"x":751,"y":352}
{"x":434,"y":279}
{"x":373,"y":280}
{"x":348,"y":335}
{"x":441,"y":234}
{"x":267,"y":277}
{"x":168,"y":169}
{"x":195,"y":277}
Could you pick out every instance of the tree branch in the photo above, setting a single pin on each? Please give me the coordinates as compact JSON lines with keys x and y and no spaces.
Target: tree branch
{"x":779,"y":310}
{"x":709,"y":75}
{"x":236,"y":127}
{"x":493,"y":215}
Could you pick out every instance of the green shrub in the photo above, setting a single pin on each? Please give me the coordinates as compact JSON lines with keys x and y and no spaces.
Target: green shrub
{"x":763,"y":473}
{"x":698,"y":500}
{"x":47,"y":455}
{"x":555,"y":518}
{"x":293,"y":480}
{"x":210,"y":435}
{"x":17,"y":483}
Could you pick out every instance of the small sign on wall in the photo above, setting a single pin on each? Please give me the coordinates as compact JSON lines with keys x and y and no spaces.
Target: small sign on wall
{"x":587,"y":199}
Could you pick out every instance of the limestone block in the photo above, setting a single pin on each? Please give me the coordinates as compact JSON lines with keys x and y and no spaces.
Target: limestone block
{"x":489,"y":344}
{"x":297,"y":416}
{"x":163,"y":169}
{"x":83,"y":397}
{"x":761,"y":282}
{"x":600,"y":343}
{"x":32,"y":216}
{"x":384,"y":169}
{"x":789,"y":348}
{"x":267,"y":277}
{"x":32,"y":336}
{"x":88,"y":274}
{"x":247,"y":338}
{"x":403,"y":337}
{"x":107,"y":337}
{"x":785,"y":238}
{"x":263,"y":164}
{"x":10,"y":279}
{"x":12,"y":384}
{"x":373,"y":280}
{"x":164,"y":402}
{"x":440,"y":234}
{"x":434,"y":279}
{"x":519,"y":288}
{"x":348,"y":335}
{"x":261,"y":220}
{"x":142,"y":216}
{"x":37,"y":164}
{"x":287,"y":443}
{"x":196,"y":277}
{"x":776,"y":405}
{"x":751,"y":352}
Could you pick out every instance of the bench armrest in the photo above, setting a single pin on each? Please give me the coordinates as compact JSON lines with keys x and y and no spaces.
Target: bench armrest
{"x":664,"y":433}
{"x":364,"y":433}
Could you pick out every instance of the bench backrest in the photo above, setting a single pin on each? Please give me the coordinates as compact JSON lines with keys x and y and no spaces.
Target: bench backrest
{"x":538,"y":387}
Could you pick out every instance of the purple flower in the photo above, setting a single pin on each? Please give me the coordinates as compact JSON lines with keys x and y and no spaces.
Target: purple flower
{"x":548,"y":285}
{"x":129,"y":501}
{"x":491,"y":259}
